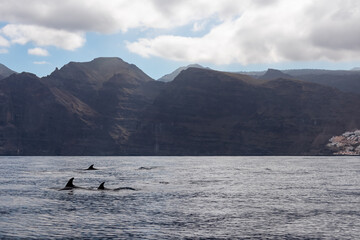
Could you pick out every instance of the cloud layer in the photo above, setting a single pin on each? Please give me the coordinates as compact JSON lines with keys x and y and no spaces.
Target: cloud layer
{"x":281,"y":31}
{"x":43,"y":36}
{"x":241,"y":31}
{"x":113,"y":15}
{"x":38,"y":52}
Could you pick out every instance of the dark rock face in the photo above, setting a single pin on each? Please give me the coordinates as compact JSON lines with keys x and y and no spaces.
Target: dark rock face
{"x":81,"y":109}
{"x":37,"y":119}
{"x":209,"y":113}
{"x":109,"y":107}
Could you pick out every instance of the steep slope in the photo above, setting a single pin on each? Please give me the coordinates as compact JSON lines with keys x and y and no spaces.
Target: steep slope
{"x":116,"y":90}
{"x":38,"y":120}
{"x":122,"y":100}
{"x":5,"y":71}
{"x":85,"y":79}
{"x":82,"y":109}
{"x":206,"y":112}
{"x":109,"y":107}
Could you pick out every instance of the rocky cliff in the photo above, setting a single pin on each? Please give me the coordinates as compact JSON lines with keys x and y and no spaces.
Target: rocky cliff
{"x":206,"y":112}
{"x":110,"y":107}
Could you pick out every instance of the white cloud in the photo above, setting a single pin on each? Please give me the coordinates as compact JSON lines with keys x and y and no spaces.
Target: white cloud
{"x":38,"y":52}
{"x":282,"y":31}
{"x":113,"y":15}
{"x":4,"y":42}
{"x":247,"y":31}
{"x":43,"y":36}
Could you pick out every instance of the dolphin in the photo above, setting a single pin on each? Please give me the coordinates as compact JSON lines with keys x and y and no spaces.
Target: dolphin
{"x":146,"y":168}
{"x":70,"y":185}
{"x":91,"y":168}
{"x":103,"y":188}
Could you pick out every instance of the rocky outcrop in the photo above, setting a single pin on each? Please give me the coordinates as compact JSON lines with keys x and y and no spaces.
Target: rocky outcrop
{"x":346,"y":144}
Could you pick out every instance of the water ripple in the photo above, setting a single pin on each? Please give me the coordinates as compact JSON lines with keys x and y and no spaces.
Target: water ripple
{"x":185,"y":198}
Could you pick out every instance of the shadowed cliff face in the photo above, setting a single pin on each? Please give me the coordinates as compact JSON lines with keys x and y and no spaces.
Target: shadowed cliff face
{"x":85,"y":80}
{"x":210,"y":113}
{"x":39,"y":120}
{"x":82,"y":109}
{"x":109,"y":107}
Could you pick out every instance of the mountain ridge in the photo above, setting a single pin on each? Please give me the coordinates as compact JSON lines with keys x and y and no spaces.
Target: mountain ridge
{"x":207,"y":113}
{"x":171,"y":76}
{"x":5,"y":71}
{"x":272,"y":74}
{"x":109,"y":107}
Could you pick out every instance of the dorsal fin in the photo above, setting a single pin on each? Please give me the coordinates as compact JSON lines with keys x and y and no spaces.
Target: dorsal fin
{"x":91,"y":167}
{"x":70,"y":183}
{"x":101,"y":187}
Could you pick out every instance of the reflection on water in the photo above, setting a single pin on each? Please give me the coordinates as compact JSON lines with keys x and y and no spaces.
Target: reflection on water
{"x":181,"y":197}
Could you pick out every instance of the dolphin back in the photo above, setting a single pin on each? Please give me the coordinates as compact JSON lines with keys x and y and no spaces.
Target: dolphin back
{"x":91,"y":167}
{"x":70,"y":183}
{"x":125,"y":188}
{"x":101,"y":187}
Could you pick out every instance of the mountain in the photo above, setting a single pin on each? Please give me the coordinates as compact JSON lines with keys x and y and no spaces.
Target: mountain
{"x":205,"y":112}
{"x":356,"y":69}
{"x":37,"y":119}
{"x":302,"y":72}
{"x":119,"y":92}
{"x":272,"y":74}
{"x":5,"y":71}
{"x":86,"y":80}
{"x":171,"y":76}
{"x":346,"y":81}
{"x":82,"y":109}
{"x":109,"y":107}
{"x":98,"y":70}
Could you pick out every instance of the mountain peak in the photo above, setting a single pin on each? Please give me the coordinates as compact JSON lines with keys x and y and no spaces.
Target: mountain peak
{"x":171,"y":76}
{"x":99,"y":70}
{"x":272,"y":74}
{"x":5,"y":71}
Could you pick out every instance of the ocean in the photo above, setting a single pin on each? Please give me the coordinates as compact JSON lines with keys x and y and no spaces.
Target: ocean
{"x":181,"y":198}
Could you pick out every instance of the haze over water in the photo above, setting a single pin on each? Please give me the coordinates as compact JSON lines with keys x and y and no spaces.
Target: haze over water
{"x":181,"y":197}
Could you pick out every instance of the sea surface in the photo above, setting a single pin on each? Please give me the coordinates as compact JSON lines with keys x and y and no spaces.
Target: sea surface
{"x":181,"y":198}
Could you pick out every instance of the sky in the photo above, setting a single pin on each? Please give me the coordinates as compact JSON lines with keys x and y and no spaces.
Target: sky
{"x":161,"y":35}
